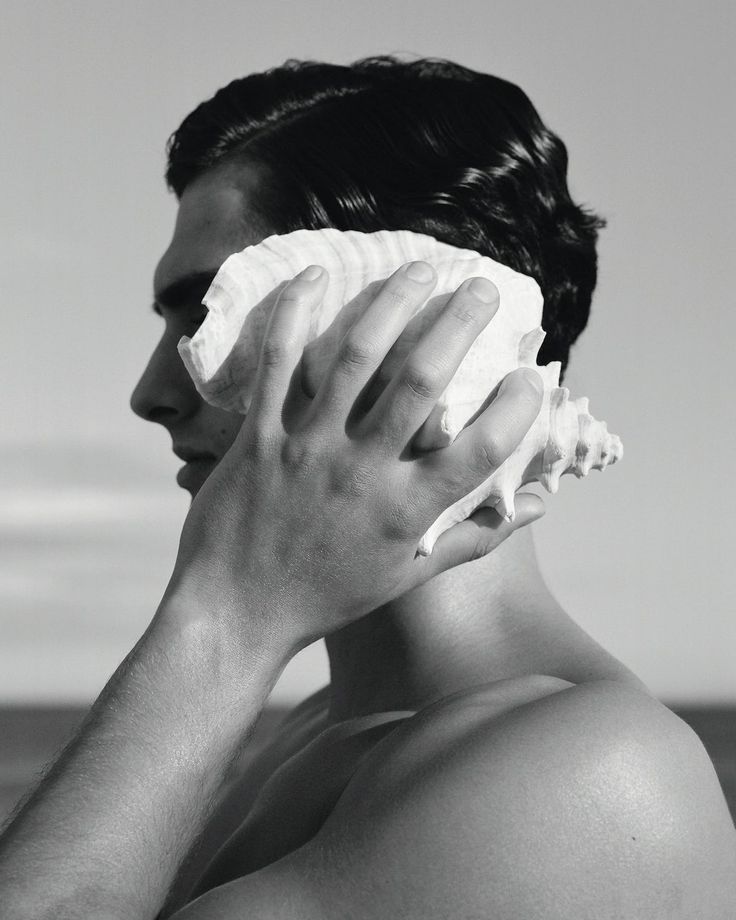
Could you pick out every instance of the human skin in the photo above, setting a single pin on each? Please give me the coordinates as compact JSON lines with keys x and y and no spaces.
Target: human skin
{"x":530,"y":774}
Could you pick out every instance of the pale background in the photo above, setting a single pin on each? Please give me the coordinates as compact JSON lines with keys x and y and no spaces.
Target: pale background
{"x":90,"y":514}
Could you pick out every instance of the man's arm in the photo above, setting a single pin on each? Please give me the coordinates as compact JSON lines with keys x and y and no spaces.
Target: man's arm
{"x":594,"y":801}
{"x":105,"y":832}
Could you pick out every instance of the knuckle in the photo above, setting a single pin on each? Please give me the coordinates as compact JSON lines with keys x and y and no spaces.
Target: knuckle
{"x":481,"y":548}
{"x":399,"y":296}
{"x":273,"y":352}
{"x":298,"y":455}
{"x":422,"y":381}
{"x":292,"y":298}
{"x":398,"y":524}
{"x":291,"y":294}
{"x":356,"y":353}
{"x":489,"y":454}
{"x":464,"y":315}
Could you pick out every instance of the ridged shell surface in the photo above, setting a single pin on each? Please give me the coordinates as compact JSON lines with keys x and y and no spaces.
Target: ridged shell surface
{"x":222,"y":357}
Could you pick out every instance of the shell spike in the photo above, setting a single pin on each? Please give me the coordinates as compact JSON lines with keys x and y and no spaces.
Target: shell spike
{"x":585,"y":453}
{"x":553,"y":479}
{"x":505,"y":507}
{"x":617,"y":448}
{"x":529,"y":347}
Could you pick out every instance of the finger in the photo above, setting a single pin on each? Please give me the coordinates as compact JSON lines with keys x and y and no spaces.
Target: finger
{"x":367,"y":342}
{"x":481,"y":533}
{"x":320,"y":351}
{"x":284,"y":340}
{"x":427,"y":371}
{"x":407,"y":341}
{"x":481,"y":448}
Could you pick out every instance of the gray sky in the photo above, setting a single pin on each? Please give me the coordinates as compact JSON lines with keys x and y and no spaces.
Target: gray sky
{"x":90,"y":515}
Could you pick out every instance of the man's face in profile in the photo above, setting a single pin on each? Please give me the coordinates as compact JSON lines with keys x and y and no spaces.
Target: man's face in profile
{"x":211,"y":224}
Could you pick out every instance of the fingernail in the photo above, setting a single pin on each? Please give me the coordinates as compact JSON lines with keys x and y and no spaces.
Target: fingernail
{"x":528,"y":375}
{"x":310,"y":273}
{"x":483,"y":289}
{"x":532,"y":377}
{"x":420,"y":271}
{"x":530,"y":519}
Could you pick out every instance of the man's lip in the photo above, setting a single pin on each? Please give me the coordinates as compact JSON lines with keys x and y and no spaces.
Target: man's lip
{"x":188,"y":455}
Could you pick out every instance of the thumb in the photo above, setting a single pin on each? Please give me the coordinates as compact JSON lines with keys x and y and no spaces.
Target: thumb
{"x":483,"y":531}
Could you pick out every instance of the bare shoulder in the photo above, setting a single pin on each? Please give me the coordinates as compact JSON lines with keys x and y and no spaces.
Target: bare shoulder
{"x":537,"y":798}
{"x":531,"y":798}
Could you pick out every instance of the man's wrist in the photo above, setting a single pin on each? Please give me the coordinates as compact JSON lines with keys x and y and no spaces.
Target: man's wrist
{"x":239,"y":649}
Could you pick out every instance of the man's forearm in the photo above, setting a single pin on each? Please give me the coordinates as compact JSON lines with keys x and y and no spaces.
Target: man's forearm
{"x":104,"y":833}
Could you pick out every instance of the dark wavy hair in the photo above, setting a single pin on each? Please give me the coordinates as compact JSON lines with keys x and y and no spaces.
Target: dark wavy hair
{"x":424,"y":145}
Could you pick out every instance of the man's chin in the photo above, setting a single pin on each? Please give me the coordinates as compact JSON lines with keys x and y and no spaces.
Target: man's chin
{"x":193,"y":475}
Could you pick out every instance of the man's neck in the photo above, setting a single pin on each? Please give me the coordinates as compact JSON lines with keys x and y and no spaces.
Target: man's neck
{"x":480,"y":622}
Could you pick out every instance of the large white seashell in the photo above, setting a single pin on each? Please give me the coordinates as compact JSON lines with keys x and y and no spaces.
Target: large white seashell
{"x":223,"y":356}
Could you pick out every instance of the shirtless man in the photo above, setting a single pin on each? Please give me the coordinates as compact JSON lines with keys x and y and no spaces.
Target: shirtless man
{"x":476,"y":754}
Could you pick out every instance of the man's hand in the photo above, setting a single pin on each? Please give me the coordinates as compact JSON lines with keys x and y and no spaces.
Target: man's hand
{"x":314,"y":514}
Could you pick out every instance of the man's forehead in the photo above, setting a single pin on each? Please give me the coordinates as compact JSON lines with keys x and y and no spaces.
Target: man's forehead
{"x":212,"y":223}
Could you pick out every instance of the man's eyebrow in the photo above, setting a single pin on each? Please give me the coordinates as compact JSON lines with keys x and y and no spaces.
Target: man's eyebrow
{"x":185,"y":291}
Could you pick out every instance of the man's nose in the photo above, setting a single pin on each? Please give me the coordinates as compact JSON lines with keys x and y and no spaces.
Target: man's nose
{"x":165,"y":393}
